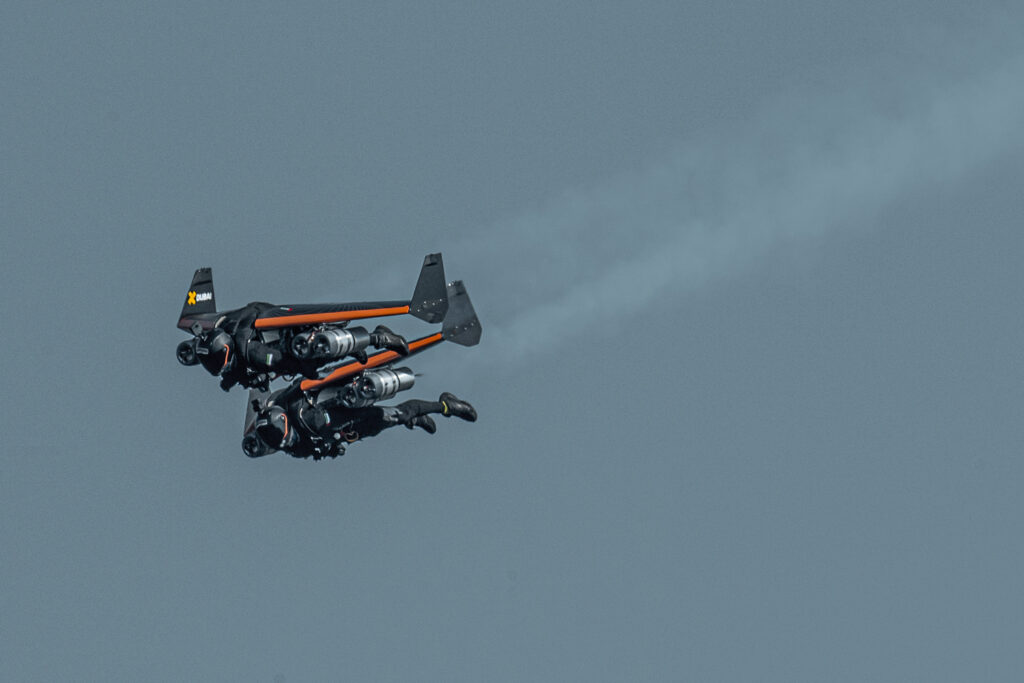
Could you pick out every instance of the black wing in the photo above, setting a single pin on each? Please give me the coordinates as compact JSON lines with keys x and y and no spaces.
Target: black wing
{"x":429,"y":302}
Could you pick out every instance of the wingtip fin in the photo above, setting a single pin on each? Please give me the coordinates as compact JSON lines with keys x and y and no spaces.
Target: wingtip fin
{"x":430,"y":298}
{"x":199,"y":299}
{"x":461,"y":325}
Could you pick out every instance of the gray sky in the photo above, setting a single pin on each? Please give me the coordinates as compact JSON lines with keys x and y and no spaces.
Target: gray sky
{"x":749,"y":385}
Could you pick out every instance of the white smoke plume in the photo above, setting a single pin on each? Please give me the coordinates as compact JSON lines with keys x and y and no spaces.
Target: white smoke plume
{"x":800,"y":169}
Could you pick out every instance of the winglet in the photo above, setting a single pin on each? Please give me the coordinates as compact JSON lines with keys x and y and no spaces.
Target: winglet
{"x":199,"y":298}
{"x":252,"y":445}
{"x":461,"y":324}
{"x":430,"y":298}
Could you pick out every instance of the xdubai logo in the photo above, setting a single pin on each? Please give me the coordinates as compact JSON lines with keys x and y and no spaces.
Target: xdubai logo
{"x":193,"y":297}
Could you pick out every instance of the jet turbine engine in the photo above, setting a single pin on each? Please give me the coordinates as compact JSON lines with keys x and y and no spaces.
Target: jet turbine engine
{"x":254,"y":447}
{"x":330,"y":343}
{"x":187,"y":352}
{"x":377,"y":385}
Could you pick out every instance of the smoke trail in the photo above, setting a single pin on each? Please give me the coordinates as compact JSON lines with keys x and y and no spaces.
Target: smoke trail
{"x":802,"y":169}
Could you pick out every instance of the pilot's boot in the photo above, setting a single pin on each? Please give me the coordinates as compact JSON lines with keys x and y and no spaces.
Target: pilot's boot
{"x":383,"y":338}
{"x":452,"y":405}
{"x":423,"y":421}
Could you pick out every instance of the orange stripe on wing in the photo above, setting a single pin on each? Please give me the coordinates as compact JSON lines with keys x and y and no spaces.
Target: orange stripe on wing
{"x":373,"y":361}
{"x":423,"y":342}
{"x":336,"y":316}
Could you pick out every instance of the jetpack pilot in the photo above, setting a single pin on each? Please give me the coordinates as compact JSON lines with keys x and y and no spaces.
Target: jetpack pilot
{"x":294,"y":423}
{"x":235,"y":350}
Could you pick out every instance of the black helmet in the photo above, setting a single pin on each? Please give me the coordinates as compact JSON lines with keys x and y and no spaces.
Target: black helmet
{"x":216,"y":351}
{"x":274,"y":429}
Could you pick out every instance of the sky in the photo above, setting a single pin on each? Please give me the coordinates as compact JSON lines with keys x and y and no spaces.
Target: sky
{"x":749,"y":382}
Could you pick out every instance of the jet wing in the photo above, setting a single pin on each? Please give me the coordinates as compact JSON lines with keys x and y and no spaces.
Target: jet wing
{"x":429,"y":302}
{"x":313,"y":314}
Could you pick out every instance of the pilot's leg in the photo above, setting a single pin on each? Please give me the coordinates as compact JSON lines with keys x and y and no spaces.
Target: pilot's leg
{"x":383,"y":338}
{"x":360,"y":423}
{"x":415,"y":413}
{"x":262,"y":357}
